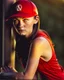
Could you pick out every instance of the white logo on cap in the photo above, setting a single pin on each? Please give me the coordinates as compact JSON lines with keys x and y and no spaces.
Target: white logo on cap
{"x":19,"y":7}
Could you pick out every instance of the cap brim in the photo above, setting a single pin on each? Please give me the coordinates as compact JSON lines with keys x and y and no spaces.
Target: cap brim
{"x":22,"y":15}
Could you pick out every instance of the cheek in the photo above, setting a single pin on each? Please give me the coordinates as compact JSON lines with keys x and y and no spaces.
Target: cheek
{"x":31,"y":29}
{"x":29,"y":26}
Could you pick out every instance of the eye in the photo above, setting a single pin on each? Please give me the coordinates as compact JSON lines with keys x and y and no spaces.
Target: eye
{"x":15,"y":21}
{"x":25,"y":20}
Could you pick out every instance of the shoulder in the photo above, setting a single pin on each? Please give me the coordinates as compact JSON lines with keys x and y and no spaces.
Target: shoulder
{"x":41,"y":41}
{"x":42,"y":47}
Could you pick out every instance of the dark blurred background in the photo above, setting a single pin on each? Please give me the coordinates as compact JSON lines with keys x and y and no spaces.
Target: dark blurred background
{"x":52,"y":20}
{"x":0,"y":32}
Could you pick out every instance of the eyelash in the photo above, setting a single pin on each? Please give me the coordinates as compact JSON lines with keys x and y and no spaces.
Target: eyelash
{"x":25,"y":20}
{"x":16,"y":21}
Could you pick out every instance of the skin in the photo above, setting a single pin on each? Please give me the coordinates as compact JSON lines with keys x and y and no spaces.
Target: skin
{"x":24,"y":26}
{"x":40,"y":47}
{"x":42,"y":51}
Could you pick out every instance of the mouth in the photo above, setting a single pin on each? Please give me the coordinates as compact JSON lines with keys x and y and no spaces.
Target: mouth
{"x":21,"y":29}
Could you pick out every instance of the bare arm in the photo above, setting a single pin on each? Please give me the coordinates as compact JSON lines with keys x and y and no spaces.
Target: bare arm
{"x":39,"y":49}
{"x":33,"y":61}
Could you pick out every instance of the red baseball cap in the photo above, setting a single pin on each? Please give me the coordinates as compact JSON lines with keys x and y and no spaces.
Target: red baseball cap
{"x":24,"y":9}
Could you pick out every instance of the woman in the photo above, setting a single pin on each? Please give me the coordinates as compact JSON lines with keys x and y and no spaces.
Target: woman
{"x":34,"y":47}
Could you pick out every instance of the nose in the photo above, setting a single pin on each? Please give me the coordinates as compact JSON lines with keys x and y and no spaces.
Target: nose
{"x":21,"y":23}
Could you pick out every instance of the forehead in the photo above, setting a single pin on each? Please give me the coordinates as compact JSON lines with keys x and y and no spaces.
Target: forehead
{"x":20,"y":18}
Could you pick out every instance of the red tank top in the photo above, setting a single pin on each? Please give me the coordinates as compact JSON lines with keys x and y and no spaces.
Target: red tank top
{"x":51,"y":70}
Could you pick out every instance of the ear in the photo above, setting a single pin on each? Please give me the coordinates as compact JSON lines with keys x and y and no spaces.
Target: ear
{"x":36,"y":19}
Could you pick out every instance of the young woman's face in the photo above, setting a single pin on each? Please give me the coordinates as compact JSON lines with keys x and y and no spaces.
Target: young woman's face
{"x":24,"y":26}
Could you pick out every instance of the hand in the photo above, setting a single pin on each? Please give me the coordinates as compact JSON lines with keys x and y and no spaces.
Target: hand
{"x":6,"y":72}
{"x":7,"y":69}
{"x":19,"y":76}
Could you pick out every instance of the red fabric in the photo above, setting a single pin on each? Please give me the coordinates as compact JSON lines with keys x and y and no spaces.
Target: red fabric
{"x":24,"y":9}
{"x":51,"y":69}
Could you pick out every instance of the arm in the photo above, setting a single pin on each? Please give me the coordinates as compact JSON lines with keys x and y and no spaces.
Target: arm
{"x":40,"y":48}
{"x":33,"y":60}
{"x":10,"y":67}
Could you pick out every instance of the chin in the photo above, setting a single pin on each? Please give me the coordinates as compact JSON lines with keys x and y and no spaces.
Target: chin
{"x":23,"y":34}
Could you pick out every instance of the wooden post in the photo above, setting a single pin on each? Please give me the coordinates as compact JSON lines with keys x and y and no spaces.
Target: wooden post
{"x":6,"y":44}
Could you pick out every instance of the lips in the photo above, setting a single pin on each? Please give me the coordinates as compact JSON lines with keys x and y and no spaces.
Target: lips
{"x":21,"y":29}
